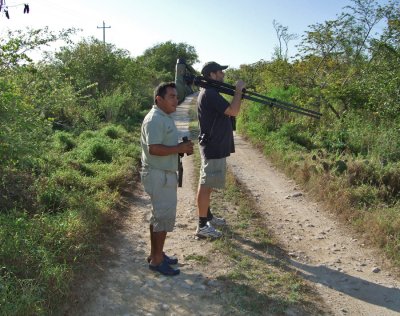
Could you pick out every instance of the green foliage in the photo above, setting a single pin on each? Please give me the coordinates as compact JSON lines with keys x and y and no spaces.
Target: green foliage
{"x":47,"y":244}
{"x":60,"y":171}
{"x":96,"y":149}
{"x":23,"y":131}
{"x":91,"y":62}
{"x":16,"y":189}
{"x":251,"y":74}
{"x":106,"y":85}
{"x":64,"y":141}
{"x":259,"y":119}
{"x":115,"y":132}
{"x":162,"y":58}
{"x":15,"y":46}
{"x":74,"y":190}
{"x":297,"y":134}
{"x":119,"y":107}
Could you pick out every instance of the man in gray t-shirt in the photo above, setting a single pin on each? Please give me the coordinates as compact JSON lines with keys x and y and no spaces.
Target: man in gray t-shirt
{"x":160,"y":149}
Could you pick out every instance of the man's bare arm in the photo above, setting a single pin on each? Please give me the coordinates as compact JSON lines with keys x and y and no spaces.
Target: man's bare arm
{"x":163,"y":150}
{"x":234,"y":108}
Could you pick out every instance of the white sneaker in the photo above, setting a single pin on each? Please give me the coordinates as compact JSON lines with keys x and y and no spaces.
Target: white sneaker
{"x":208,"y":232}
{"x":217,"y":221}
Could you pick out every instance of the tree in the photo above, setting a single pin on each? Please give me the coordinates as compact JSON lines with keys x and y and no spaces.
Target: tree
{"x":162,"y":58}
{"x":23,"y":127}
{"x":90,"y":63}
{"x":282,"y":50}
{"x":15,"y":46}
{"x":340,"y":51}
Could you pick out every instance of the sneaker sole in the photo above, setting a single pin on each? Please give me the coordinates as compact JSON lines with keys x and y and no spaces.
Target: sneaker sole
{"x":206,"y":237}
{"x":218,"y":224}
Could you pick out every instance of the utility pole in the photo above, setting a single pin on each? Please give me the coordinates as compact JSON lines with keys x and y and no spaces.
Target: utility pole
{"x":104,"y":27}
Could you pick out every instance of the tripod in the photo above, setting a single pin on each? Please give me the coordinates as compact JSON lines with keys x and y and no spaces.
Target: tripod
{"x":259,"y":98}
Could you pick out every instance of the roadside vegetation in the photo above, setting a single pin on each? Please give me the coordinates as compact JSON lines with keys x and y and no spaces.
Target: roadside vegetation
{"x":350,"y":159}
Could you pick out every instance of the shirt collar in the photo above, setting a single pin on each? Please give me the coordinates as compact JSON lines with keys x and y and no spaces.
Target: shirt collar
{"x":156,"y":108}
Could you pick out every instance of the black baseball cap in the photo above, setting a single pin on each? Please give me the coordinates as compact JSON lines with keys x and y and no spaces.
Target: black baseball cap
{"x":211,"y":66}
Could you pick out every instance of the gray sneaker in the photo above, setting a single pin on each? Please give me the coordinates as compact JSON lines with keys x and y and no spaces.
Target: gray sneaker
{"x":217,"y":221}
{"x":208,"y":232}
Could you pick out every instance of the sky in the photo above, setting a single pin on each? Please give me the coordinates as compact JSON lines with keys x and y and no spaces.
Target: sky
{"x":230,"y":32}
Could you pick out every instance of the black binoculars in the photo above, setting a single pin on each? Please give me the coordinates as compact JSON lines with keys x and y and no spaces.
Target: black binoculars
{"x":184,"y":140}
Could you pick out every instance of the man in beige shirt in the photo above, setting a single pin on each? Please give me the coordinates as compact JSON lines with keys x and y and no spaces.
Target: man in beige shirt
{"x":160,"y":149}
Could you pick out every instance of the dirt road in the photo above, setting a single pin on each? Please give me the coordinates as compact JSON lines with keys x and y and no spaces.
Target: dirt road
{"x":349,"y":277}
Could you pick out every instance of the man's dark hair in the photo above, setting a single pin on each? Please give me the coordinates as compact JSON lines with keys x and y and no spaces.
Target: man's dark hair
{"x":161,"y":89}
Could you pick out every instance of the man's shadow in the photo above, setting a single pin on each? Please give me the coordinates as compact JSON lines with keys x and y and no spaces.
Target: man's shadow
{"x":361,"y":289}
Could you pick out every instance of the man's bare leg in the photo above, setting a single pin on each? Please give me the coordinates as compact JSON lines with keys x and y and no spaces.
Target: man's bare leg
{"x":157,"y":240}
{"x":203,"y":200}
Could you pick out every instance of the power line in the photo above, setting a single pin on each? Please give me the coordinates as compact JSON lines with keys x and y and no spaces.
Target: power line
{"x":104,"y":27}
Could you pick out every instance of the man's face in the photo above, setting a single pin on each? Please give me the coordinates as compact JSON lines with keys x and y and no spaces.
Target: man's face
{"x":169,"y":102}
{"x":218,"y":75}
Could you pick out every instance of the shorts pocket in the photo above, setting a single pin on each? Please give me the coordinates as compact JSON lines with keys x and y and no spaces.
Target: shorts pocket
{"x":146,"y":181}
{"x":213,"y":179}
{"x":171,"y":179}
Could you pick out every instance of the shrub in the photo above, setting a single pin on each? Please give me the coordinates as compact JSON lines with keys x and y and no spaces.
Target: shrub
{"x":114,"y":131}
{"x":364,"y":196}
{"x":64,"y":141}
{"x":51,"y":197}
{"x":96,"y":149}
{"x":16,"y":190}
{"x":296,"y":134}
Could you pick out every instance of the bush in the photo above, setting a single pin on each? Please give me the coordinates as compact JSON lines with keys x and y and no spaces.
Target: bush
{"x":51,"y":196}
{"x":297,"y":134}
{"x":364,"y":196}
{"x":16,"y":190}
{"x":24,"y":133}
{"x":64,"y":141}
{"x":114,"y":131}
{"x":96,"y":149}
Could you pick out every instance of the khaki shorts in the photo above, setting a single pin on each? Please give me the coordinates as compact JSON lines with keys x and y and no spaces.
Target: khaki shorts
{"x":162,"y":186}
{"x":213,"y":173}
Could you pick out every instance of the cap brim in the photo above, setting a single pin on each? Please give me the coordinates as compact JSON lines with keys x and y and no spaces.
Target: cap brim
{"x":224,"y":67}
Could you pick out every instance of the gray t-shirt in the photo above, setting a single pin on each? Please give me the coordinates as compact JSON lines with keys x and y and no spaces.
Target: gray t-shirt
{"x":158,"y":128}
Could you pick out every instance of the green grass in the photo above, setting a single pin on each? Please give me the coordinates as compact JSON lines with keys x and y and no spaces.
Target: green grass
{"x":198,"y":258}
{"x":74,"y":195}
